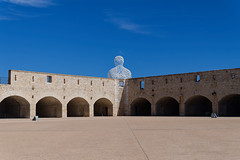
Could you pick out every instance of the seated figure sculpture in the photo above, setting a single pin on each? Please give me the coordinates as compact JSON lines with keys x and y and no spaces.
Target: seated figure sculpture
{"x":119,"y":72}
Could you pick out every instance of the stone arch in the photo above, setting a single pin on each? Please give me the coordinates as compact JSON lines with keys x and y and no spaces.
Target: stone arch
{"x":48,"y":107}
{"x":167,"y":106}
{"x":198,"y":106}
{"x":229,"y":105}
{"x":103,"y":107}
{"x":78,"y":107}
{"x":140,"y":107}
{"x":14,"y":107}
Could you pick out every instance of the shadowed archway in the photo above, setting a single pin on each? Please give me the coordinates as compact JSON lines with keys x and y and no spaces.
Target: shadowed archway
{"x":14,"y":107}
{"x":198,"y":106}
{"x":167,"y":106}
{"x":78,"y":107}
{"x":229,"y":105}
{"x":140,"y":107}
{"x":103,"y":107}
{"x":49,"y":107}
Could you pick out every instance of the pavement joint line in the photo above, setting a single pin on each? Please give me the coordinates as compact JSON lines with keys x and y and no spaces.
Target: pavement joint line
{"x":137,"y":140}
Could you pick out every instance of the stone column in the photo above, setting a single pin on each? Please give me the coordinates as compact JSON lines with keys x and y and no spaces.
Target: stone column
{"x":181,"y":106}
{"x":32,"y":110}
{"x":64,"y":111}
{"x":91,"y":110}
{"x":215,"y":104}
{"x":153,"y":109}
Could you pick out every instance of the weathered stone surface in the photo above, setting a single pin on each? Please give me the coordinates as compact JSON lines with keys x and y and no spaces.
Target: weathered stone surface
{"x":190,"y":94}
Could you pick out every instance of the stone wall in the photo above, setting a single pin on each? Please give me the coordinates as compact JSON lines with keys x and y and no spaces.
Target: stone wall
{"x":34,"y":86}
{"x":52,"y":95}
{"x":213,"y":85}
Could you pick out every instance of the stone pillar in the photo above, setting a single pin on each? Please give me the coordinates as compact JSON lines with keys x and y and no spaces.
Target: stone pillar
{"x":215,"y":104}
{"x":115,"y":111}
{"x":64,"y":111}
{"x":181,"y":106}
{"x":32,"y":110}
{"x":153,"y":109}
{"x":91,"y":110}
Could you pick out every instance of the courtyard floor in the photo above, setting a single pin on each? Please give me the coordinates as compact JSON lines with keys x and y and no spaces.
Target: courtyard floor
{"x":121,"y":138}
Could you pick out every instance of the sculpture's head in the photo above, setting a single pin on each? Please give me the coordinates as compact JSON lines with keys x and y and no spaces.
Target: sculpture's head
{"x":118,"y":60}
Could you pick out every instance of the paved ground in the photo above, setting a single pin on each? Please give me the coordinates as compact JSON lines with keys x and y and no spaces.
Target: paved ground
{"x":121,"y":138}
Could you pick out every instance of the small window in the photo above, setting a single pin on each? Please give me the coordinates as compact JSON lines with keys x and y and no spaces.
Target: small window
{"x":166,"y":81}
{"x":49,"y":79}
{"x":91,"y":83}
{"x":214,"y":77}
{"x":181,"y":80}
{"x":15,"y":77}
{"x":32,"y":78}
{"x":152,"y":82}
{"x":103,"y":83}
{"x":64,"y":81}
{"x":78,"y":82}
{"x":142,"y":85}
{"x":233,"y":75}
{"x":121,"y":84}
{"x":198,"y":78}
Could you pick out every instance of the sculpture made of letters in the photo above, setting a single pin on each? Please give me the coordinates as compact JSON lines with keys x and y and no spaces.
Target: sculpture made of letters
{"x":119,"y":72}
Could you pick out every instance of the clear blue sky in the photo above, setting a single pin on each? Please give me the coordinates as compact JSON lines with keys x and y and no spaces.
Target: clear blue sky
{"x":82,"y":37}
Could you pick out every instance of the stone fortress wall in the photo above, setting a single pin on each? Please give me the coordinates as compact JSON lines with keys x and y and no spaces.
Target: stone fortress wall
{"x":51,"y":95}
{"x":55,"y":95}
{"x":189,"y":94}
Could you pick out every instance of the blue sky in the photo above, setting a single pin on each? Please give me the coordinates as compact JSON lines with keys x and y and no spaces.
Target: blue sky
{"x":82,"y":37}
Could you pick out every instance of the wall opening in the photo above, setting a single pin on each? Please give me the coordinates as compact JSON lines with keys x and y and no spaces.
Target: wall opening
{"x":167,"y":106}
{"x":49,"y":79}
{"x":14,"y":107}
{"x":49,"y":107}
{"x":214,"y":77}
{"x":233,"y":75}
{"x":78,"y":107}
{"x":142,"y":85}
{"x":198,"y":78}
{"x":140,"y":107}
{"x":198,"y":106}
{"x":181,"y":80}
{"x":121,"y":84}
{"x":103,"y":107}
{"x":229,"y":105}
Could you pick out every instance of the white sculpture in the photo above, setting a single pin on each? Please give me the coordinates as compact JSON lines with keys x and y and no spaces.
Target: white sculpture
{"x":119,"y":72}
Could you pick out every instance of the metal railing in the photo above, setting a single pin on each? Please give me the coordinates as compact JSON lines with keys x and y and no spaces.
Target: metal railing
{"x":4,"y":80}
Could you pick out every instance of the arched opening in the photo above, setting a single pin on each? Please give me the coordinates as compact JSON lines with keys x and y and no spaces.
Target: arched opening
{"x":78,"y":107}
{"x":103,"y":107}
{"x":14,"y":107}
{"x":229,"y":105}
{"x":141,"y":107}
{"x":167,"y":106}
{"x":198,"y":106}
{"x":49,"y":107}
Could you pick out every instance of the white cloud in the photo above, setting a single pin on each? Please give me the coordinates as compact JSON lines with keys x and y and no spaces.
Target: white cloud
{"x":128,"y":25}
{"x":33,"y":3}
{"x":5,"y":18}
